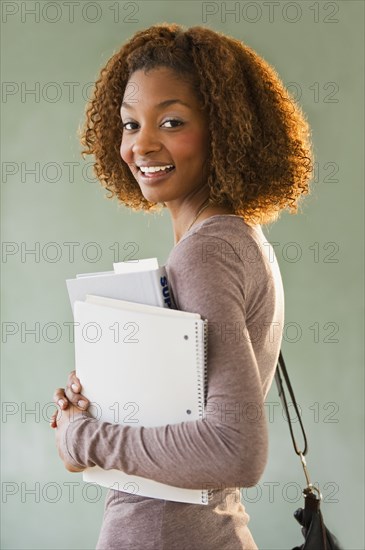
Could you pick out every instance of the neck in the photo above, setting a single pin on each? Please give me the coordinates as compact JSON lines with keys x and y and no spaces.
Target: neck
{"x":185,"y":221}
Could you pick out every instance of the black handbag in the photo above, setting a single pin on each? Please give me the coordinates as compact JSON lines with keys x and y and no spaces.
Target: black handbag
{"x":316,"y":534}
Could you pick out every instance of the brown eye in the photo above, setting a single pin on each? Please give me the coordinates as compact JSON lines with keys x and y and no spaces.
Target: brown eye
{"x":124,"y":125}
{"x":173,"y":120}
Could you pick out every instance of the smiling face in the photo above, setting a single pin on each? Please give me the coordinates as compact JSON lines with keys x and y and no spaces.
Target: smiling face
{"x":158,"y":131}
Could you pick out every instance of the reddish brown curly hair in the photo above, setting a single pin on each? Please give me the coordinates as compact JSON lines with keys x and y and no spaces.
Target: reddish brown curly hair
{"x":260,"y":159}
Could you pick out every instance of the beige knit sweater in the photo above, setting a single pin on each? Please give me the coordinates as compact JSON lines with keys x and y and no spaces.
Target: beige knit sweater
{"x":227,"y":272}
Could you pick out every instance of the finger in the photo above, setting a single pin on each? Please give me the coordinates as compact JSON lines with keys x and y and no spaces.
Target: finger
{"x":60,"y":398}
{"x":76,"y":387}
{"x":72,"y":379}
{"x":53,"y":421}
{"x":77,"y":399}
{"x":74,"y":391}
{"x":75,"y":383}
{"x":58,"y":415}
{"x":73,"y":469}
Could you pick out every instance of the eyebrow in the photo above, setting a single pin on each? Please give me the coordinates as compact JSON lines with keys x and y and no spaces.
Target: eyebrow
{"x":161,"y":105}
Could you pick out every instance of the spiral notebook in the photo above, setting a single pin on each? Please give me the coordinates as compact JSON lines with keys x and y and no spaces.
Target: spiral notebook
{"x":155,"y":362}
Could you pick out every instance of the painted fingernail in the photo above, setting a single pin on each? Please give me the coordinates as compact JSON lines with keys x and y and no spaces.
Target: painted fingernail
{"x":81,"y":403}
{"x":61,"y":402}
{"x":75,"y":388}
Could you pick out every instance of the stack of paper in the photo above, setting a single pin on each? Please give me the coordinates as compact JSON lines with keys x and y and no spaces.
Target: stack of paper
{"x":139,"y":365}
{"x":141,"y":281}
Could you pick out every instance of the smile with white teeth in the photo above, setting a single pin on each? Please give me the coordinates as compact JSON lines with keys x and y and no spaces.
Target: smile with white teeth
{"x":151,"y":169}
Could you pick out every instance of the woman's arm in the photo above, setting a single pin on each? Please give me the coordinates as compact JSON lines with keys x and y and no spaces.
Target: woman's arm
{"x":229,"y":446}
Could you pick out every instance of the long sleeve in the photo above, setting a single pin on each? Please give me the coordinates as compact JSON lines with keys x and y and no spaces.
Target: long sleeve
{"x":229,"y":446}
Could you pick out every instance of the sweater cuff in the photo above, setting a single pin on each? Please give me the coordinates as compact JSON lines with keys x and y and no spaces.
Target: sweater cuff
{"x":70,"y":442}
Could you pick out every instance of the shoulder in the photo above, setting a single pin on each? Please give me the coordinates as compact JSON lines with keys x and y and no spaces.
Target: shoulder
{"x":221,"y":240}
{"x":205,"y":271}
{"x":224,"y":254}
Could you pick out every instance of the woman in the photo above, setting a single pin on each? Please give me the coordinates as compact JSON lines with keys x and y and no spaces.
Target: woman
{"x":196,"y":122}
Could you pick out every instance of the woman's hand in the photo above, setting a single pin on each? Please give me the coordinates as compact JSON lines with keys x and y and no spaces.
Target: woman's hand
{"x":71,"y":404}
{"x":63,"y":419}
{"x":70,"y":395}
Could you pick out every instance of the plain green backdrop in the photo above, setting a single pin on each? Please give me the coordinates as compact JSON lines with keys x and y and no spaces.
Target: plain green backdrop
{"x":49,"y":59}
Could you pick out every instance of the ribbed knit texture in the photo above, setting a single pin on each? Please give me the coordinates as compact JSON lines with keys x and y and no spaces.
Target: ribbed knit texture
{"x":227,"y":272}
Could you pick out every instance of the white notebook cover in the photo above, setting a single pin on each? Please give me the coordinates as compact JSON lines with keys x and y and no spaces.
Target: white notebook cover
{"x":145,"y":287}
{"x":135,"y":266}
{"x":155,"y":376}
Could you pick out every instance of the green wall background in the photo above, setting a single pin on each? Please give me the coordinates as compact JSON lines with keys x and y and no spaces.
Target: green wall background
{"x":318,"y":56}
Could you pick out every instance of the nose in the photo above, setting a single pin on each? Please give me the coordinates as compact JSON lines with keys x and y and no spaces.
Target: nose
{"x":146,"y":141}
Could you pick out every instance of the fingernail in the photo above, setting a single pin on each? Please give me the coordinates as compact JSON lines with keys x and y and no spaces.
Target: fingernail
{"x":75,"y":388}
{"x":81,"y":403}
{"x":61,"y":402}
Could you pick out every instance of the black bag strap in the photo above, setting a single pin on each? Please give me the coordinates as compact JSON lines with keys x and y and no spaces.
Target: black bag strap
{"x":310,"y":517}
{"x":279,"y":383}
{"x":281,"y":367}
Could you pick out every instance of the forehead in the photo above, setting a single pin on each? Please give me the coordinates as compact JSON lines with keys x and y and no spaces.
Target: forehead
{"x":156,"y":86}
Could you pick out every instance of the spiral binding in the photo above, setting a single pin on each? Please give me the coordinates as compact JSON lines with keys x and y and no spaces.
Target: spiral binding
{"x":202,"y":374}
{"x":202,"y":371}
{"x":207,"y":495}
{"x":205,"y":332}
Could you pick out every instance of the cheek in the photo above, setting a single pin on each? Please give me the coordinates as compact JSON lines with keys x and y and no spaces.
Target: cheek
{"x":125,"y":152}
{"x":193,"y":146}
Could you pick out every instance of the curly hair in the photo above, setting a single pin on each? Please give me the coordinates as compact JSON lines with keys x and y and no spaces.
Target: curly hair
{"x":260,"y":159}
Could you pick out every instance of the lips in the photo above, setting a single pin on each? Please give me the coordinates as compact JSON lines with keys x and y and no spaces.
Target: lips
{"x":156,"y":175}
{"x":160,"y":165}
